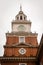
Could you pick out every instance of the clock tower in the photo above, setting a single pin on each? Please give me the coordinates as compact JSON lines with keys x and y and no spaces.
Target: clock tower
{"x":21,"y":24}
{"x":21,"y":44}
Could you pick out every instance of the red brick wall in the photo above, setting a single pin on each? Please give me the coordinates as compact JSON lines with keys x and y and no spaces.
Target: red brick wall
{"x":30,"y":63}
{"x":31,"y":40}
{"x":9,"y":64}
{"x":12,"y":40}
{"x":15,"y":52}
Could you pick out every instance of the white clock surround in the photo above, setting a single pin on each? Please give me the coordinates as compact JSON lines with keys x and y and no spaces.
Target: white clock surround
{"x":27,"y":27}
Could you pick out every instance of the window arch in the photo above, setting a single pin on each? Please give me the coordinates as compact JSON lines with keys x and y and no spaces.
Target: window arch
{"x":20,"y":17}
{"x":24,"y":18}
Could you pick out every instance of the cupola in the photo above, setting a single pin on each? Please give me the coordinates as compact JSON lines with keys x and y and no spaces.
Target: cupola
{"x":21,"y":15}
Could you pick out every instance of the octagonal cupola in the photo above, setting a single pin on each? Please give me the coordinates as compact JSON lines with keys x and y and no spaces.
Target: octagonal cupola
{"x":21,"y":15}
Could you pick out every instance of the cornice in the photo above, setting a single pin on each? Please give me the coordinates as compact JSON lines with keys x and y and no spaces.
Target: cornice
{"x":21,"y":22}
{"x":16,"y":46}
{"x":22,"y":34}
{"x":23,"y":59}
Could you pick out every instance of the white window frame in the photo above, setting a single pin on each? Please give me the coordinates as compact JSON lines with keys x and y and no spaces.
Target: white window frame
{"x":22,"y":63}
{"x":20,"y":40}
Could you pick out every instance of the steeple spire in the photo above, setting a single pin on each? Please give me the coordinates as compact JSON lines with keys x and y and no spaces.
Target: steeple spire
{"x":20,"y":8}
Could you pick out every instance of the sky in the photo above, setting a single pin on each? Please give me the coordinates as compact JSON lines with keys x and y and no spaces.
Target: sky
{"x":10,"y":8}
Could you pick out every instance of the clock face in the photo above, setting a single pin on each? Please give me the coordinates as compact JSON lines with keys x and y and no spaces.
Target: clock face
{"x":22,"y":51}
{"x":21,"y":28}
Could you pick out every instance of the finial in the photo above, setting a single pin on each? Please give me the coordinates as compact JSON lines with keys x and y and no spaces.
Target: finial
{"x":20,"y":8}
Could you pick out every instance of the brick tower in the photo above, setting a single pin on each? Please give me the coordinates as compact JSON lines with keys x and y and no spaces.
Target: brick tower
{"x":21,"y":44}
{"x":21,"y":41}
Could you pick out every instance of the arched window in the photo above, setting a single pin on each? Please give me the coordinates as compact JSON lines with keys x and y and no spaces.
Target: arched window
{"x":24,"y":18}
{"x":20,"y":17}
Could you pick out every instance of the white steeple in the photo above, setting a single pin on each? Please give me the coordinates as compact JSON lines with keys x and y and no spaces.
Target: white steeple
{"x":20,"y":8}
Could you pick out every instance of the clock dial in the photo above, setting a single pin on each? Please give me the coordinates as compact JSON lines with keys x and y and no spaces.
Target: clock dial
{"x":21,"y":28}
{"x":22,"y":51}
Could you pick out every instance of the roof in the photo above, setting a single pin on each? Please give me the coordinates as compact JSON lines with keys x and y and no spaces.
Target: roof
{"x":21,"y":12}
